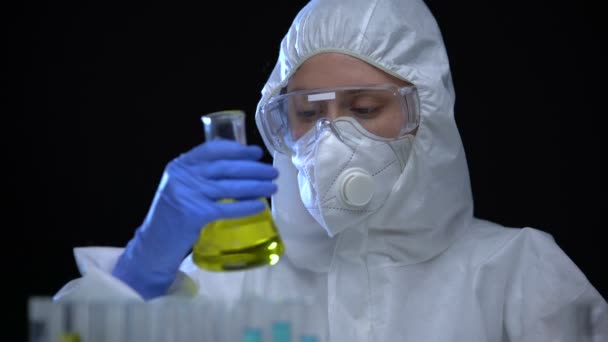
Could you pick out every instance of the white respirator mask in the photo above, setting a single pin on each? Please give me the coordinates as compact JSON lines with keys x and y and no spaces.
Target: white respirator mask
{"x":345,"y":176}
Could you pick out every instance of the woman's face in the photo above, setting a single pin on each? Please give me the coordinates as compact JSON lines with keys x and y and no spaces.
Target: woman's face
{"x":329,"y":70}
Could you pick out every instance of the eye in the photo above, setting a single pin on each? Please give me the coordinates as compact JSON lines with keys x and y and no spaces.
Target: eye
{"x":364,"y":105}
{"x":363,"y":110}
{"x":306,"y":114}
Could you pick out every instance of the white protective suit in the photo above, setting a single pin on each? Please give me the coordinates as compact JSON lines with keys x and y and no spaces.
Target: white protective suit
{"x":421,"y":268}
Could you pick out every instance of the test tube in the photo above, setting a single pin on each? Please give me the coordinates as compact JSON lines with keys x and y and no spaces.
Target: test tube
{"x":115,"y":321}
{"x":252,"y":335}
{"x":75,"y":324}
{"x":312,"y":327}
{"x":137,"y":322}
{"x":39,"y":315}
{"x":308,"y":338}
{"x":281,"y":331}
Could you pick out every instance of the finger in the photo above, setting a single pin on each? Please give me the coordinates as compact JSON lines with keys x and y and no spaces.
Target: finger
{"x":237,"y":169}
{"x":237,"y":189}
{"x":182,"y":178}
{"x":221,"y":150}
{"x":239,"y":208}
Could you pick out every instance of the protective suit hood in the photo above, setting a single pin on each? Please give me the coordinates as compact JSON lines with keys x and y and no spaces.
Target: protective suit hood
{"x":431,"y":203}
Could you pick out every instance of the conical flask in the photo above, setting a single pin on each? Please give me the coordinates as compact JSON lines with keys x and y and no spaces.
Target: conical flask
{"x":239,"y":243}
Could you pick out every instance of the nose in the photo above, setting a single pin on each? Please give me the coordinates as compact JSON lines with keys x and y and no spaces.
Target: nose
{"x":332,"y":110}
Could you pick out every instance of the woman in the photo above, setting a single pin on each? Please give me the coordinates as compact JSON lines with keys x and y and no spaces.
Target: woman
{"x":374,"y":202}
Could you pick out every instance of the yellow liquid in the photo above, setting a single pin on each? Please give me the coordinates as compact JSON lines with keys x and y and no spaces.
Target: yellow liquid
{"x":69,"y":337}
{"x":237,"y":244}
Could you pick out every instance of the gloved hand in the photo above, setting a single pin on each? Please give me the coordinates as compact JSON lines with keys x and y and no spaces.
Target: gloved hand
{"x":185,"y":201}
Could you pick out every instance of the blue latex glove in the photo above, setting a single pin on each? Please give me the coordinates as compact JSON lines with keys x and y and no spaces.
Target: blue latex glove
{"x":185,"y":201}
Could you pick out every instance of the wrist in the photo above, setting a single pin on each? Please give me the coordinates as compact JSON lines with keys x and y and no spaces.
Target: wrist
{"x":137,"y":274}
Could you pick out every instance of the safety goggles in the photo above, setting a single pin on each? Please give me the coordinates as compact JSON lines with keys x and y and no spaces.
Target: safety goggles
{"x":384,"y":111}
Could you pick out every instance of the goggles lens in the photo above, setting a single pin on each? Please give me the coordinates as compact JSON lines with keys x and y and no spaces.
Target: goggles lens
{"x":385,"y":112}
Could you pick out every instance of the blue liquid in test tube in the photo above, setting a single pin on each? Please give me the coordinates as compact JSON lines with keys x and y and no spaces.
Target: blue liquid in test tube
{"x":281,"y":331}
{"x":252,"y":335}
{"x":308,"y":338}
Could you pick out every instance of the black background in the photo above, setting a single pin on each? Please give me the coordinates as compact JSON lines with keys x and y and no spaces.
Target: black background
{"x":101,"y":96}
